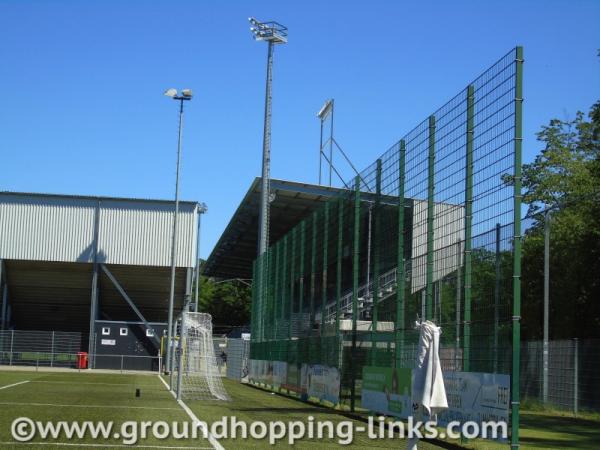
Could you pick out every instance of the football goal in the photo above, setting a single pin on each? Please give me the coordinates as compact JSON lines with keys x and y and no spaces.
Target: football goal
{"x":198,"y":376}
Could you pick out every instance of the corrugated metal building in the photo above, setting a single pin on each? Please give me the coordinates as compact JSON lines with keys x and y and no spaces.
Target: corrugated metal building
{"x":63,"y":259}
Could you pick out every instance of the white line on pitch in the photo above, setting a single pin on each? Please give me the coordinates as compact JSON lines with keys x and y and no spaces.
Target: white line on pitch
{"x":14,"y":384}
{"x":87,"y":406}
{"x":85,"y":382}
{"x":65,"y":444}
{"x":195,"y":419}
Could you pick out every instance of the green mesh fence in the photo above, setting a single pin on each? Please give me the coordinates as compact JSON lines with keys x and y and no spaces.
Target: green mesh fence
{"x":427,"y":232}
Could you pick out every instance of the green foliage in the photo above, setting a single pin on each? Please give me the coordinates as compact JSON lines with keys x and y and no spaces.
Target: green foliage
{"x":227,"y":302}
{"x":564,"y":178}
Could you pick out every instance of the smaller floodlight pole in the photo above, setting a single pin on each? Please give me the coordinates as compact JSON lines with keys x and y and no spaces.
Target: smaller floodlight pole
{"x":186,"y":95}
{"x":273,"y":33}
{"x":201,"y":210}
{"x":325,"y":112}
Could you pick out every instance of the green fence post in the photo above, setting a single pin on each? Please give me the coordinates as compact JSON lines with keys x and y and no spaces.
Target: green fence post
{"x":325,"y":257}
{"x":284,"y":287}
{"x":468,"y":226}
{"x":338,"y":281}
{"x":301,"y":289}
{"x":497,"y":288}
{"x":430,"y":218}
{"x":253,"y":328}
{"x":260,"y":291}
{"x":516,"y":344}
{"x":400,"y":270}
{"x":292,"y":282}
{"x":313,"y":270}
{"x":355,"y":268}
{"x":269,"y":293}
{"x":376,"y":264}
{"x":275,"y":291}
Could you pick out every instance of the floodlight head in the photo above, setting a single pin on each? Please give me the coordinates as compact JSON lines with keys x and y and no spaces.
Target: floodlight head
{"x":271,"y":32}
{"x":187,"y":93}
{"x":171,"y":93}
{"x":325,"y":110}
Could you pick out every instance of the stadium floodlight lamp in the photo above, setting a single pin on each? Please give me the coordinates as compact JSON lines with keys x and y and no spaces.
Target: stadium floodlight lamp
{"x":272,"y":32}
{"x":186,"y":94}
{"x":325,"y":110}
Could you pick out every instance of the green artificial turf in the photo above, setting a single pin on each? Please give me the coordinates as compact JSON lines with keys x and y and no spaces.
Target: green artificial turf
{"x":84,"y":396}
{"x":252,"y":404}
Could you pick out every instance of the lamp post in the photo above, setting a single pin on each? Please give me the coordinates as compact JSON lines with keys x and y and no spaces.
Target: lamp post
{"x":201,"y":210}
{"x":273,"y":33}
{"x":545,"y":348}
{"x":186,"y":95}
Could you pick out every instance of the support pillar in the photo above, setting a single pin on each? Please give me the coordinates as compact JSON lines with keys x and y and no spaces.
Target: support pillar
{"x":94,"y":290}
{"x":93,"y":317}
{"x":130,"y":302}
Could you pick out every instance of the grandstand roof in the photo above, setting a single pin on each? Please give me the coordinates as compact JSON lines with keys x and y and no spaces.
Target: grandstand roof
{"x":236,"y":249}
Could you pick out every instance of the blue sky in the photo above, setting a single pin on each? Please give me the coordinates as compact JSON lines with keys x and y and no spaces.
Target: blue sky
{"x":82,"y":110}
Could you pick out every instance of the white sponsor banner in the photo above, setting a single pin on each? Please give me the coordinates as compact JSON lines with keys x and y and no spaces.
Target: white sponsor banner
{"x":279,"y":373}
{"x":386,"y":390}
{"x":472,"y":396}
{"x":273,"y":373}
{"x":323,"y":382}
{"x":108,"y":342}
{"x":476,"y":396}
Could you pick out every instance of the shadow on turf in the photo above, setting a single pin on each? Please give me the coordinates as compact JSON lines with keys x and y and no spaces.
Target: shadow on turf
{"x":295,"y":410}
{"x":349,"y":415}
{"x":583,"y":433}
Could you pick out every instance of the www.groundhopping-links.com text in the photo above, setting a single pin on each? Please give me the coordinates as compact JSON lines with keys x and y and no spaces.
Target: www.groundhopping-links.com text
{"x":25,"y":429}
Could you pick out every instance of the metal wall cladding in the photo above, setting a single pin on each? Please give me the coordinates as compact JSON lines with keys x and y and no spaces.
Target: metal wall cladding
{"x":62,"y":228}
{"x":139,"y":233}
{"x":43,"y":228}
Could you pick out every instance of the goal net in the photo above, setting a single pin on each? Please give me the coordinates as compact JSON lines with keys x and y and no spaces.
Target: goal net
{"x":200,"y":378}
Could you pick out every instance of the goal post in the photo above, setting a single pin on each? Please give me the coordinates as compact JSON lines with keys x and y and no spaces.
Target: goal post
{"x":198,"y":376}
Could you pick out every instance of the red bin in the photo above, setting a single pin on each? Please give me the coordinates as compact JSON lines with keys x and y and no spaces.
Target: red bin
{"x":82,"y":360}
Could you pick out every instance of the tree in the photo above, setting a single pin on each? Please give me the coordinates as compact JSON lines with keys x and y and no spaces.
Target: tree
{"x":227,"y":302}
{"x":564,"y":177}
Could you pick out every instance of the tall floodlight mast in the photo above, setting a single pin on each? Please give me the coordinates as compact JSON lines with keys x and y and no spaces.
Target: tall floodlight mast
{"x":186,"y":95}
{"x":273,"y":33}
{"x":326,"y":112}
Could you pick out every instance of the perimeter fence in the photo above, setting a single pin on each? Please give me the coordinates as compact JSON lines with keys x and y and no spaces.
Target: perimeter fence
{"x":429,"y":231}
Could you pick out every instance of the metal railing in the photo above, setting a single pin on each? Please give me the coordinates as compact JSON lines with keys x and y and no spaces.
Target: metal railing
{"x":48,"y":348}
{"x":573,"y":374}
{"x":40,"y":360}
{"x":125,"y":363}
